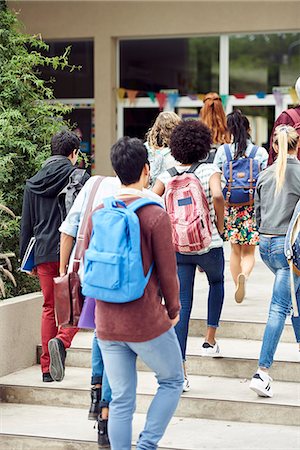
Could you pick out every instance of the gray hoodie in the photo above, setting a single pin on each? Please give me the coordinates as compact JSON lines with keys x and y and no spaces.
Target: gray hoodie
{"x":274,"y":212}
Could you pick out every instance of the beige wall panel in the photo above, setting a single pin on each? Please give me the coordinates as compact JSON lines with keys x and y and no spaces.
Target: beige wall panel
{"x":106,"y":20}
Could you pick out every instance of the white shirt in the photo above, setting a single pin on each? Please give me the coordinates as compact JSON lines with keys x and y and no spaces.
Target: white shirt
{"x":203,"y":173}
{"x":110,"y":186}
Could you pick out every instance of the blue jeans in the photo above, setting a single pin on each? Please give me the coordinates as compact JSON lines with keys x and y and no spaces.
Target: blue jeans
{"x":272,"y":253}
{"x":99,"y":373}
{"x":213,"y":265}
{"x":163,"y":356}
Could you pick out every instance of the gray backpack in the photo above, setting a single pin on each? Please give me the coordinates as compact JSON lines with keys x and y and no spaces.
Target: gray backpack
{"x":67,"y":196}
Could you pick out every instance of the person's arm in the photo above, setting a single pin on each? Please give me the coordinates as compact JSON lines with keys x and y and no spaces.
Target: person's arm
{"x":218,"y":200}
{"x":26,"y":231}
{"x":66,"y":246}
{"x":257,"y":205}
{"x":218,"y":160}
{"x":165,"y":263}
{"x":159,"y":187}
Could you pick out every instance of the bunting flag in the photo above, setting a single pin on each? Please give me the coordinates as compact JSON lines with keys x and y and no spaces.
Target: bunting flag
{"x":132,"y":96}
{"x":151,"y":95}
{"x":294,"y":96}
{"x":240,"y":95}
{"x":278,"y":98}
{"x":121,"y":93}
{"x":172,"y":96}
{"x":260,"y":94}
{"x":224,"y":99}
{"x":172,"y":99}
{"x":161,"y":97}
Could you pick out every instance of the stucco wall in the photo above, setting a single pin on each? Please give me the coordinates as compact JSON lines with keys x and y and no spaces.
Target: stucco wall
{"x":107,"y":21}
{"x":20,"y":324}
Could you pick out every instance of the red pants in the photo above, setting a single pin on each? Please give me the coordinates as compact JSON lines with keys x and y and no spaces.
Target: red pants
{"x":46,"y":272}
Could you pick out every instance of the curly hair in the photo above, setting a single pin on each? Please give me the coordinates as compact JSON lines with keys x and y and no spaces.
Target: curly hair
{"x":190,"y":142}
{"x":212,"y":114}
{"x":159,"y":135}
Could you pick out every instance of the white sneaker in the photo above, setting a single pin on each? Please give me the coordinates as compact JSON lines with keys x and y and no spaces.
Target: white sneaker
{"x":211,"y":350}
{"x":261,"y":384}
{"x":186,"y":385}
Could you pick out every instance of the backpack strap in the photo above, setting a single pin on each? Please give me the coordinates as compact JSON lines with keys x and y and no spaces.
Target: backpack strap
{"x":137,"y":204}
{"x":253,"y":151}
{"x":80,"y":237}
{"x":293,"y":115}
{"x":173,"y":172}
{"x":194,"y":167}
{"x":227,"y":152}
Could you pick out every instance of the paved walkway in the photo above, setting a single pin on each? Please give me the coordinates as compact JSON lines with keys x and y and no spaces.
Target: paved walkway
{"x":258,"y":293}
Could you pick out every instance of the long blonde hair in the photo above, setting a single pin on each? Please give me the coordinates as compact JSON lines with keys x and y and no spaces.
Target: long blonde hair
{"x":286,"y":138}
{"x":213,"y":116}
{"x":159,"y":135}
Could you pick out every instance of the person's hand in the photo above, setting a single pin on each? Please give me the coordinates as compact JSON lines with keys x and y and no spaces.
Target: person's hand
{"x":33,"y":273}
{"x":62,"y":274}
{"x":175,"y":320}
{"x":221,"y":230}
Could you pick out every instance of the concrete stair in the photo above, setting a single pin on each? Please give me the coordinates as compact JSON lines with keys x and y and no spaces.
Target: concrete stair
{"x":219,"y":412}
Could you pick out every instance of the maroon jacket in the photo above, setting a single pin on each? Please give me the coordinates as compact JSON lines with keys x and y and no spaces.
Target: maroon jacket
{"x":147,"y":317}
{"x":283,"y":119}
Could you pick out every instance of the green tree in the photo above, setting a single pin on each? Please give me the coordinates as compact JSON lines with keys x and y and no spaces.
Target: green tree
{"x":28,"y":118}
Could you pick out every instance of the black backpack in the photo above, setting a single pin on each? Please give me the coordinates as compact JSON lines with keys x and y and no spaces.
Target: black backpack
{"x":67,"y":196}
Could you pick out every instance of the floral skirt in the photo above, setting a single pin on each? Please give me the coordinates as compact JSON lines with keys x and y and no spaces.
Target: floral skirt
{"x":240,"y":225}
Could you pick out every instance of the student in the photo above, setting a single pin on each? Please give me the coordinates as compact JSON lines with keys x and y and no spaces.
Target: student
{"x":240,"y":225}
{"x":41,"y":218}
{"x":213,"y":116}
{"x":277,"y":193}
{"x":158,"y":142}
{"x":100,"y":390}
{"x":190,"y":143}
{"x":143,"y":327}
{"x":290,"y":117}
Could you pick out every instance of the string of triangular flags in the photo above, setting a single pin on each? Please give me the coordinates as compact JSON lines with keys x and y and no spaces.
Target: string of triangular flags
{"x":171,"y":96}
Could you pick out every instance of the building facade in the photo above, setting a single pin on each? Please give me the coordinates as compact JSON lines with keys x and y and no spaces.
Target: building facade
{"x":242,"y":49}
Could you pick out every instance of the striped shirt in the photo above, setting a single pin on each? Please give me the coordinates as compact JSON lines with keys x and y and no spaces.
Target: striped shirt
{"x":203,"y":173}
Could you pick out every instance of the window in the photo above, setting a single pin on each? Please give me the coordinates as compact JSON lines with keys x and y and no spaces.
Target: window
{"x":76,"y":84}
{"x":187,"y":64}
{"x":260,"y":62}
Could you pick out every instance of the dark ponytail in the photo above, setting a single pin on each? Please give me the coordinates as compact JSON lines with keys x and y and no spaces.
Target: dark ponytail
{"x":238,"y":125}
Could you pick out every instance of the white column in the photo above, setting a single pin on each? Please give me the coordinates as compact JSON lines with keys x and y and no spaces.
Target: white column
{"x":224,"y":65}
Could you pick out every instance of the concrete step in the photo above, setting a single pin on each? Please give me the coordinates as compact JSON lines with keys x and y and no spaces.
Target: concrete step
{"x":210,"y":397}
{"x":239,"y":329}
{"x":239,"y":358}
{"x":35,"y":427}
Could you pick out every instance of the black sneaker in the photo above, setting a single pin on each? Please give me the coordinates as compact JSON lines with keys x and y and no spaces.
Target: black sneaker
{"x":47,"y":377}
{"x":57,"y":354}
{"x":103,"y":441}
{"x":95,"y":403}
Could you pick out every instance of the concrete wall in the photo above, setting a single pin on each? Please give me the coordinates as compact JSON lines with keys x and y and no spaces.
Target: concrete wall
{"x":20,"y":323}
{"x":107,"y":21}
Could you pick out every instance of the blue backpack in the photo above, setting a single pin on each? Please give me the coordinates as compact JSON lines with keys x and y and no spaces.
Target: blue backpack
{"x":113,"y":265}
{"x":292,"y":252}
{"x":241,"y":178}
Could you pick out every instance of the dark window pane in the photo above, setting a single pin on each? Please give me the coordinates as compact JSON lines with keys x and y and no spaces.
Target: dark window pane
{"x":76,"y":84}
{"x":187,"y":64}
{"x":137,"y":121}
{"x":261,"y":120}
{"x":260,"y":62}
